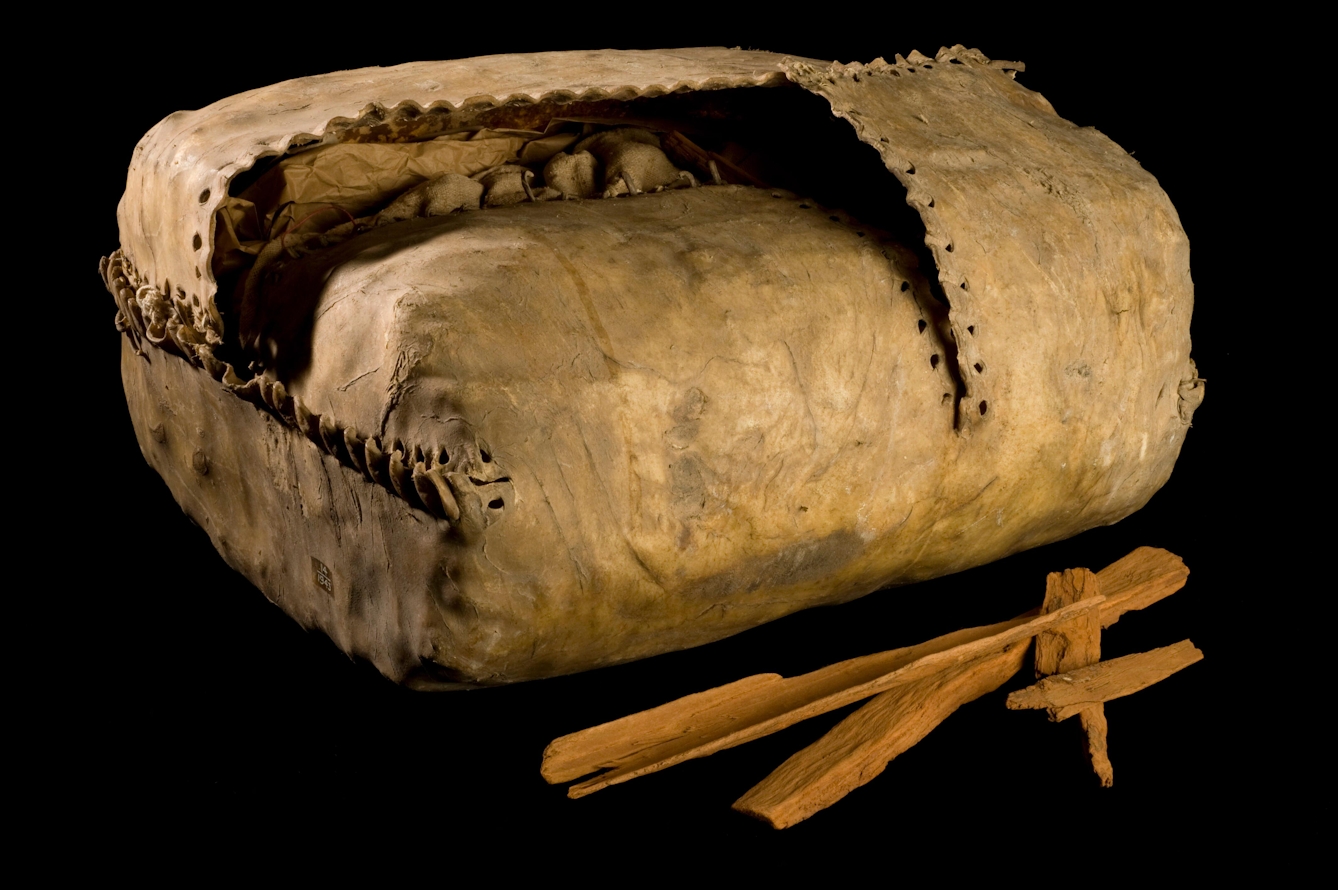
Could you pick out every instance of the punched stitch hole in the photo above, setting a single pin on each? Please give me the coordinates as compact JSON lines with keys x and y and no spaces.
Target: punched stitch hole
{"x":204,"y":196}
{"x":979,"y":368}
{"x":197,"y":242}
{"x":971,"y":329}
{"x":485,"y":456}
{"x":948,"y":248}
{"x":905,"y":286}
{"x":496,"y":504}
{"x":984,"y":406}
{"x":933,"y":360}
{"x":921,"y":324}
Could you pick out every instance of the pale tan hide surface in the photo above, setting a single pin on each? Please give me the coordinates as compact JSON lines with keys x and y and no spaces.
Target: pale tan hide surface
{"x":181,"y":168}
{"x":666,"y":418}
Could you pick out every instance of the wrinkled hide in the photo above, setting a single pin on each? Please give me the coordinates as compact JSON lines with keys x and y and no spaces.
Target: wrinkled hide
{"x":479,"y":435}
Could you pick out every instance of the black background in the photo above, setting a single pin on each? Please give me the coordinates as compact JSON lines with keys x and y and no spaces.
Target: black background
{"x":184,"y":694}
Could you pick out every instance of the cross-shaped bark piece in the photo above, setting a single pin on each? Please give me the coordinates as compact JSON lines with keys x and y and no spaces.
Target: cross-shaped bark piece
{"x":1065,"y":695}
{"x":1073,"y":645}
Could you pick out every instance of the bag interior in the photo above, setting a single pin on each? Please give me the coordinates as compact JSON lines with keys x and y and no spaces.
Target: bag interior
{"x":385,"y":168}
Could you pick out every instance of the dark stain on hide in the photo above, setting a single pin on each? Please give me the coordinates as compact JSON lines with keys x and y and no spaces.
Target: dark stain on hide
{"x":799,"y":564}
{"x":687,"y":419}
{"x":687,"y":485}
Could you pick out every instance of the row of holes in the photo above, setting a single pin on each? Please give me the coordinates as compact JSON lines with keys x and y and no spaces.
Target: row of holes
{"x":199,"y":242}
{"x":971,"y":329}
{"x":922,"y":324}
{"x":910,"y":171}
{"x":909,"y":70}
{"x":934,"y":359}
{"x":984,"y":405}
{"x":895,"y":73}
{"x":804,"y":205}
{"x":443,"y":457}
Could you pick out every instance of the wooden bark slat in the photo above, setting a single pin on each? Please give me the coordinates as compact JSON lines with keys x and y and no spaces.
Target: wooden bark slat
{"x":1096,"y":733}
{"x":685,"y":151}
{"x":859,"y":748}
{"x":652,"y":740}
{"x":1072,"y":645}
{"x":1076,"y":643}
{"x":1068,"y":693}
{"x":1138,"y":580}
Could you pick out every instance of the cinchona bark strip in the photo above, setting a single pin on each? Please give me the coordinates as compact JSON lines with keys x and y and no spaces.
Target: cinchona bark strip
{"x":1136,"y":581}
{"x":1074,"y":645}
{"x":1070,"y":693}
{"x":858,"y":748}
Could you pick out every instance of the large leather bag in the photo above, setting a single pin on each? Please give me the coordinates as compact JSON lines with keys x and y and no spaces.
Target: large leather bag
{"x":538,"y":438}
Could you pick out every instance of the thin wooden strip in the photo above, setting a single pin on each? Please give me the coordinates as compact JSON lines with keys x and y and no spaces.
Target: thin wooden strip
{"x":684,"y":152}
{"x":1072,"y":645}
{"x":1095,"y":737}
{"x":584,"y":752}
{"x":1138,"y":580}
{"x":836,"y":692}
{"x":736,"y":171}
{"x":859,"y":748}
{"x":1068,"y":693}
